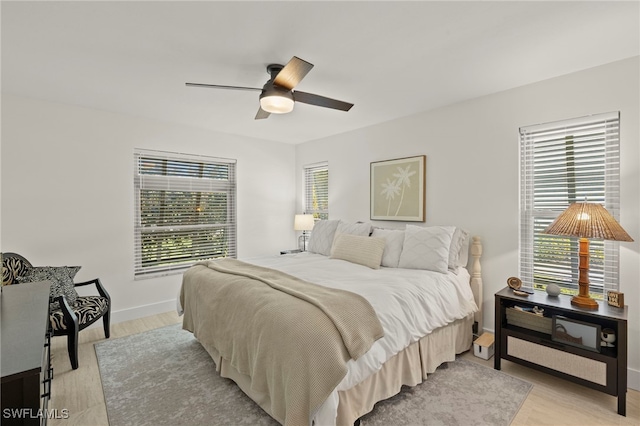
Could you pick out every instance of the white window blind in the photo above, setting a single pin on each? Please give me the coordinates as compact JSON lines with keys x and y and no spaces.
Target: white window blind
{"x":316,"y":190}
{"x":184,"y":211}
{"x":562,"y":163}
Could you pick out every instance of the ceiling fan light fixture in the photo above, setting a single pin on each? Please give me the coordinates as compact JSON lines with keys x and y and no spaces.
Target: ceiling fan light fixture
{"x":276,"y":102}
{"x":277,"y":95}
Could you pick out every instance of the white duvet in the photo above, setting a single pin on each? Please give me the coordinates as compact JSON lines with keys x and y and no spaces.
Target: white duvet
{"x":410,"y":304}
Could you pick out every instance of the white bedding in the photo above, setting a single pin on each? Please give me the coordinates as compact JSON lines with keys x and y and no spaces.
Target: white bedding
{"x":410,"y":304}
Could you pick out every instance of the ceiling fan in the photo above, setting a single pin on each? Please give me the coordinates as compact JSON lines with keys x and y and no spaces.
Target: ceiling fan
{"x":278,"y":96}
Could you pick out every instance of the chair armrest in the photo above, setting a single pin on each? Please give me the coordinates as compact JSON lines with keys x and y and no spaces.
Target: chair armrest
{"x":69,"y":316}
{"x":99,"y":286}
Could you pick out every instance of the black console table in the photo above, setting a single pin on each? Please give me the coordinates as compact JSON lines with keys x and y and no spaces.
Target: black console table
{"x":528,"y":341}
{"x":26,"y":359}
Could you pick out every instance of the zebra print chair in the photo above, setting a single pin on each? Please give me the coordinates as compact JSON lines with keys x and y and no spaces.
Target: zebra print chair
{"x":68,"y":312}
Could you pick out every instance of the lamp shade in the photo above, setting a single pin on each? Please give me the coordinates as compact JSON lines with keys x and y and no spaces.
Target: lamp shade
{"x":303,"y":222}
{"x":588,"y":220}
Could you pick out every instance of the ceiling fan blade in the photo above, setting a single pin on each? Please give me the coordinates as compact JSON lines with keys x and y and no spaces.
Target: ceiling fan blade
{"x":292,"y":73}
{"x":262,"y":114}
{"x":218,"y":86}
{"x":317,"y":100}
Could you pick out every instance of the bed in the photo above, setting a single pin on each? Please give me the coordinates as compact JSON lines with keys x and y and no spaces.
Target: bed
{"x":407,"y":292}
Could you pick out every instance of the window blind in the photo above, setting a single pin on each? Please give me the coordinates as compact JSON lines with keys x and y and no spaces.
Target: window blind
{"x":562,"y":163}
{"x":184,"y":211}
{"x":316,"y":190}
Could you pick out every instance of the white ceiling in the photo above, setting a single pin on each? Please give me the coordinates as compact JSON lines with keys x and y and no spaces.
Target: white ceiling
{"x":391,"y":59}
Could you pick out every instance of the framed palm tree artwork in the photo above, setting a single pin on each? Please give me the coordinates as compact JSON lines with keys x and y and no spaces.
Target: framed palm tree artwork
{"x":397,"y":189}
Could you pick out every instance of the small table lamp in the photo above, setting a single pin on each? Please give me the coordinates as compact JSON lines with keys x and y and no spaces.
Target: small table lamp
{"x":586,"y":220}
{"x":304,"y":223}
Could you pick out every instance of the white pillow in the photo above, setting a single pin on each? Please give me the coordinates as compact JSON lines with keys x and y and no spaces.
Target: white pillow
{"x":394,"y":239}
{"x":321,"y":237}
{"x":426,"y":248}
{"x":358,"y":249}
{"x":463,"y":259}
{"x":357,"y":228}
{"x":458,"y":244}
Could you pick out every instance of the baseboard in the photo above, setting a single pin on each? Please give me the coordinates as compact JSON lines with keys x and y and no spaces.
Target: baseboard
{"x":139,"y":312}
{"x":633,"y":379}
{"x":143,"y":311}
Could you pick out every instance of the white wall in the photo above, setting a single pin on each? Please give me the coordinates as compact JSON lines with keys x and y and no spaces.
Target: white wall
{"x":67,"y":193}
{"x":473,"y":168}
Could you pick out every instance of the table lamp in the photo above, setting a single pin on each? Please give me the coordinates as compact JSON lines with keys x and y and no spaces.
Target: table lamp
{"x":586,"y":220}
{"x":304,"y":223}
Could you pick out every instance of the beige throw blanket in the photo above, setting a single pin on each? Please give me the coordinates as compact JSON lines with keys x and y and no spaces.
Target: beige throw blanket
{"x":291,"y":337}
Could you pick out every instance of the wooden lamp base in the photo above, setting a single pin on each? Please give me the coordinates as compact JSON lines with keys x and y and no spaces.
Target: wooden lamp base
{"x":582,"y":299}
{"x":584,"y":302}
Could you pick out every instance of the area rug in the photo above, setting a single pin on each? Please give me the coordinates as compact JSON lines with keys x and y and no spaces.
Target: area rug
{"x":165,"y":377}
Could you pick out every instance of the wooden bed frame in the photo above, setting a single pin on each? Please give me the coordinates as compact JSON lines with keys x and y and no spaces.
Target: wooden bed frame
{"x":409,"y":367}
{"x":476,"y":280}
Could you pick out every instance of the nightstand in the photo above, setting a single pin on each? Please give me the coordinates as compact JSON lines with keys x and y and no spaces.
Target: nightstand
{"x":528,"y":341}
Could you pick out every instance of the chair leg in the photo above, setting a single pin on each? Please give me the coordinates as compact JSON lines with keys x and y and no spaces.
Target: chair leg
{"x":106,"y":318}
{"x":71,"y":320}
{"x":72,"y":347}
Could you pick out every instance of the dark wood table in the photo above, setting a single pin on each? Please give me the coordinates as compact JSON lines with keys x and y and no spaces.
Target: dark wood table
{"x":529,"y":346}
{"x":25,"y":362}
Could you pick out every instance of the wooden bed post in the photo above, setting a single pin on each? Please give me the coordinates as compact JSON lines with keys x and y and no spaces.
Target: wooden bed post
{"x":476,"y":280}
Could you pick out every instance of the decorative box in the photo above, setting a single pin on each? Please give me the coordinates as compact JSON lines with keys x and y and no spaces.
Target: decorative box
{"x":483,"y":346}
{"x":529,"y":320}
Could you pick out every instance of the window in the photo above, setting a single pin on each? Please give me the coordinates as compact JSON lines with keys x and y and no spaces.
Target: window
{"x":562,"y":163}
{"x":184,"y":211}
{"x":316,"y":190}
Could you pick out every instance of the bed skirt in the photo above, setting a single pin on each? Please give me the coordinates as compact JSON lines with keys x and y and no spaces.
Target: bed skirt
{"x":409,"y":367}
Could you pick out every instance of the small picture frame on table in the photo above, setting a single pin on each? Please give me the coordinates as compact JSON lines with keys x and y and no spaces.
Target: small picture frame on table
{"x":615,"y":298}
{"x":576,"y":333}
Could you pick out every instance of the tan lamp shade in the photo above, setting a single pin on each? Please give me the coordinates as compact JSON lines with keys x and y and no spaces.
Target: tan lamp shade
{"x":586,"y":220}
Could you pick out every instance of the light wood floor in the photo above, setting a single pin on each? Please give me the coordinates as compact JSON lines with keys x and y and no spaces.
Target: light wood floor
{"x":552,"y":401}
